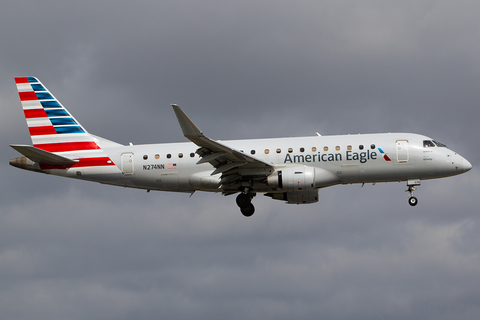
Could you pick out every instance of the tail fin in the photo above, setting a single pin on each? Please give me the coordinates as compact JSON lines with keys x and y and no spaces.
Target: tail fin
{"x":52,"y":128}
{"x":59,"y":140}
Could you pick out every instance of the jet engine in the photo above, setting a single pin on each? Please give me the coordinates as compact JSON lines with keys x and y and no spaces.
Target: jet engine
{"x":300,"y":178}
{"x":299,"y":185}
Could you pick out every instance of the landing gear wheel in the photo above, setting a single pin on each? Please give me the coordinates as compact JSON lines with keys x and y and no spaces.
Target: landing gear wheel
{"x":411,"y":187}
{"x":248,"y":211}
{"x":412,"y":201}
{"x":243,"y":200}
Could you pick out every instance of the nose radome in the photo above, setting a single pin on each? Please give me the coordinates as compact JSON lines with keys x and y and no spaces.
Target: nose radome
{"x":466,"y":165}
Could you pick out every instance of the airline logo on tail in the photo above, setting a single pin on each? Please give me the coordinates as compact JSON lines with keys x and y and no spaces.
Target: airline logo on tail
{"x":52,"y":128}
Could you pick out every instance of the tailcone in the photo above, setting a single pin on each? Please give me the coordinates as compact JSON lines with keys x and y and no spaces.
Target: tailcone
{"x":25,"y":164}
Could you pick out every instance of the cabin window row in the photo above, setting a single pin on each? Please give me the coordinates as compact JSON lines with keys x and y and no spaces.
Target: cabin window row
{"x":169,"y":156}
{"x":314,"y":149}
{"x":267,"y":151}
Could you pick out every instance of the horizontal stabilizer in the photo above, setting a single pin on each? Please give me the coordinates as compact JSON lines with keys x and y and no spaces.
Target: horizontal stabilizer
{"x":41,"y":156}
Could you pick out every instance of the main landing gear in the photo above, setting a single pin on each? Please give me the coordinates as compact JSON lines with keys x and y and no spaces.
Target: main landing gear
{"x":411,"y":187}
{"x":244,"y":202}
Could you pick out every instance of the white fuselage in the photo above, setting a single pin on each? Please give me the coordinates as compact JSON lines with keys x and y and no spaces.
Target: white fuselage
{"x":362,"y":158}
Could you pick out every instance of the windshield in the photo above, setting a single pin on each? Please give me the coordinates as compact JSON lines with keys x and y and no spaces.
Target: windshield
{"x":428,"y":144}
{"x":439,"y":144}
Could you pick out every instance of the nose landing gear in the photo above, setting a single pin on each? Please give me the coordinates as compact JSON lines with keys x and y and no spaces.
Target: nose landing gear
{"x":244,"y":202}
{"x":411,"y":187}
{"x":412,"y":201}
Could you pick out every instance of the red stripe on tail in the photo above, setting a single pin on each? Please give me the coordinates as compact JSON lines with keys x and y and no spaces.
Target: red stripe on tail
{"x":35,"y":113}
{"x":21,"y":80}
{"x":84,"y":162}
{"x":28,"y":95}
{"x":39,"y":131}
{"x":67,"y":146}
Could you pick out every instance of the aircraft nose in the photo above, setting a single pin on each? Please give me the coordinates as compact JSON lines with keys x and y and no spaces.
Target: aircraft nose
{"x":466,"y":165}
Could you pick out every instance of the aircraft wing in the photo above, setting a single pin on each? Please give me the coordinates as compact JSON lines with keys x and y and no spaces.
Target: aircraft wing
{"x":234,"y":165}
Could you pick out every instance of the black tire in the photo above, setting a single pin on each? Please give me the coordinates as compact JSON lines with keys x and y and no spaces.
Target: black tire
{"x":248,"y":211}
{"x":412,"y":201}
{"x":243,"y":200}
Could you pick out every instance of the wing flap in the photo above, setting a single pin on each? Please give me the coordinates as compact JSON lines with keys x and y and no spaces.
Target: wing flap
{"x":227,"y":167}
{"x":211,"y":157}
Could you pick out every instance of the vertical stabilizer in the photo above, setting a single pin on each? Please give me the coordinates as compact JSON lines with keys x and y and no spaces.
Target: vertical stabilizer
{"x":53,"y":129}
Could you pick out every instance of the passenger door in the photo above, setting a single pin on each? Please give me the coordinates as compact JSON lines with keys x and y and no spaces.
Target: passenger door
{"x":127,"y":163}
{"x":402,"y":151}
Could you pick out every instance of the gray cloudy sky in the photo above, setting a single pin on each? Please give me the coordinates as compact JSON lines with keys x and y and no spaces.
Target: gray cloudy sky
{"x":242,"y":69}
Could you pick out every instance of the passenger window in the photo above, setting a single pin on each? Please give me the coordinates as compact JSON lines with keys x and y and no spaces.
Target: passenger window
{"x":428,"y":144}
{"x":337,"y":148}
{"x":349,"y":147}
{"x":192,"y":154}
{"x":372,"y":146}
{"x":169,"y":156}
{"x":157,"y":156}
{"x":267,"y":151}
{"x":302,"y":149}
{"x":180,"y":155}
{"x":290,"y":150}
{"x":325,"y":148}
{"x":279,"y":150}
{"x":252,"y":152}
{"x":314,"y":149}
{"x":145,"y":157}
{"x":360,"y":147}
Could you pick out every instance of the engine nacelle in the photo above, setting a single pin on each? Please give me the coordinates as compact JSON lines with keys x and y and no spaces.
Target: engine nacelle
{"x":301,"y":178}
{"x":298,"y":197}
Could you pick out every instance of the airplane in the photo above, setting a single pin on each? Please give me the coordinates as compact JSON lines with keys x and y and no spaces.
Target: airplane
{"x":286,"y":169}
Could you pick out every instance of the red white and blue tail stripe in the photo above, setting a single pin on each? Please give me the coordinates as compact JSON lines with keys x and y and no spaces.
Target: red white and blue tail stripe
{"x":53,"y":129}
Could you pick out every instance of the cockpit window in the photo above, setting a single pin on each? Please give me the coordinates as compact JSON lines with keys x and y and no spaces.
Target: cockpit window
{"x":428,"y":144}
{"x":439,"y":144}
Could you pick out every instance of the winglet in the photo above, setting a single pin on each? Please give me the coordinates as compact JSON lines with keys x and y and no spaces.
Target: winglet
{"x":190,"y":130}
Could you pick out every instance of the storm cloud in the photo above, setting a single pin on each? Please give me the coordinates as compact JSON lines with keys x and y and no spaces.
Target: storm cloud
{"x":242,"y":69}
